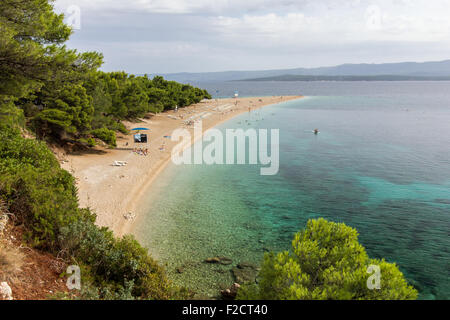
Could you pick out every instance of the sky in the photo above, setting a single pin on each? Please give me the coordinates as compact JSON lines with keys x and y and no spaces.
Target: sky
{"x":170,"y":36}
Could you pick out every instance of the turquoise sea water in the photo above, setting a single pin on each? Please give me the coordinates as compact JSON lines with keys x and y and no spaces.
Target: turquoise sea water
{"x":381,"y":164}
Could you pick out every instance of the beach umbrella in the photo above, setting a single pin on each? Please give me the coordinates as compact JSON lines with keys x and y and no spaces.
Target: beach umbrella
{"x":140,"y":129}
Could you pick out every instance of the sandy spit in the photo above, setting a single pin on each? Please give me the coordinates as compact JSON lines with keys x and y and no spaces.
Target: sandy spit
{"x":114,"y":192}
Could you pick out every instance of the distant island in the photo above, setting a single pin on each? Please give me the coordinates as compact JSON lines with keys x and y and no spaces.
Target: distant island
{"x":404,"y":71}
{"x":289,"y":77}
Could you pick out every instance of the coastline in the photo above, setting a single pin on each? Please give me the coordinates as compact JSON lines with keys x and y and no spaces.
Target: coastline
{"x":113,"y":192}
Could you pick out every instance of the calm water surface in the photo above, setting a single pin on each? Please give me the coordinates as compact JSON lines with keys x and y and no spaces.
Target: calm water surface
{"x":381,"y":164}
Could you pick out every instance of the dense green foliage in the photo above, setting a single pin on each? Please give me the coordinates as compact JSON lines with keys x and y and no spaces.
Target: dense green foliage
{"x":326,"y":262}
{"x":118,"y":96}
{"x":124,"y":96}
{"x":30,"y":38}
{"x":60,"y":95}
{"x":105,"y":135}
{"x":65,"y":110}
{"x":43,"y":197}
{"x":40,"y":193}
{"x":115,"y":264}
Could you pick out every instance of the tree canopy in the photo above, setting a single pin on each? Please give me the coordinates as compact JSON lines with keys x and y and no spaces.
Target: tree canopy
{"x":31,"y":35}
{"x":62,"y":92}
{"x":326,"y":261}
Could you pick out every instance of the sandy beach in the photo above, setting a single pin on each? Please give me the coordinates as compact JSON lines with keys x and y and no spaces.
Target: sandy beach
{"x":114,"y":192}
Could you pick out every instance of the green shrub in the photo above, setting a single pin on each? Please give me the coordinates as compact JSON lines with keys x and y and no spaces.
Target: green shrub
{"x":9,"y":114}
{"x":106,"y":135}
{"x":121,"y":128}
{"x":91,"y":142}
{"x":43,"y":197}
{"x":41,"y":194}
{"x":42,"y":209}
{"x":115,"y":263}
{"x":62,"y":96}
{"x":18,"y":152}
{"x":326,"y":262}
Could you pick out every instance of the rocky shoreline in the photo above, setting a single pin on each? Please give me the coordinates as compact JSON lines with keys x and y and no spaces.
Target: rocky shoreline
{"x":242,"y":273}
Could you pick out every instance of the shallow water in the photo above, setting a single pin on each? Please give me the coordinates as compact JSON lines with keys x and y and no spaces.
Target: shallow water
{"x":381,"y":164}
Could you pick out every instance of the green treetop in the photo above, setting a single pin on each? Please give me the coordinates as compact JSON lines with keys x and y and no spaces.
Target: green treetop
{"x":63,"y":95}
{"x":30,"y":32}
{"x":327,"y":262}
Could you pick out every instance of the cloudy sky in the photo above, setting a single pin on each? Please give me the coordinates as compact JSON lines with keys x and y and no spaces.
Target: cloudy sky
{"x":165,"y":36}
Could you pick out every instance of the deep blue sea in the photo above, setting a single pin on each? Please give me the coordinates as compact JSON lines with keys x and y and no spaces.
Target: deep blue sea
{"x":381,"y":164}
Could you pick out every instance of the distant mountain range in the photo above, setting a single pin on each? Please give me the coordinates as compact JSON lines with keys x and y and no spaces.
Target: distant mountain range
{"x":349,"y":78}
{"x":405,"y":71}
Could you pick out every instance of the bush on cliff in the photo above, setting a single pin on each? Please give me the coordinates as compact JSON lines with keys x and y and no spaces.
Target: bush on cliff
{"x":106,"y":135}
{"x":42,"y":196}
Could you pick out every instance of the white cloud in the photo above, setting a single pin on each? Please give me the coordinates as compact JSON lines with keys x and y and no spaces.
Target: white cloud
{"x":388,"y":16}
{"x":269,"y":24}
{"x":168,"y":6}
{"x":366,"y":23}
{"x":263,"y":30}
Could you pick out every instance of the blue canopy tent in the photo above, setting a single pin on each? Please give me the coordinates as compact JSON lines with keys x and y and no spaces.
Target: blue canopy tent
{"x":140,"y":137}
